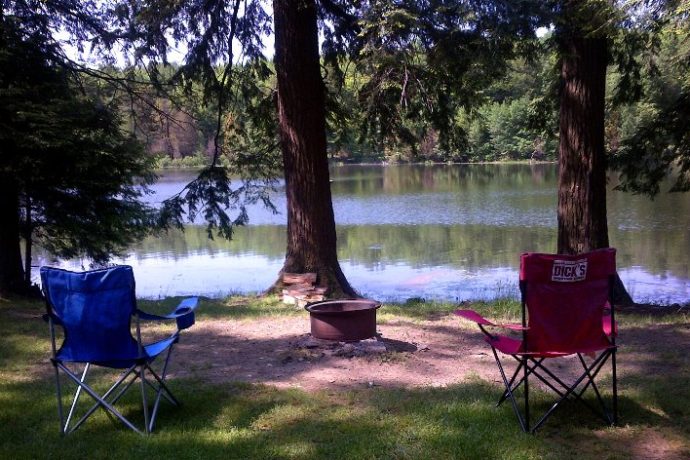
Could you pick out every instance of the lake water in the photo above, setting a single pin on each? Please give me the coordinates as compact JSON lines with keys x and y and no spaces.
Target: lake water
{"x":451,"y":232}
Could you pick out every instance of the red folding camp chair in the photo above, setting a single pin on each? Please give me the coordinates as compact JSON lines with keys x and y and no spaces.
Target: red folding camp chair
{"x":566,"y":310}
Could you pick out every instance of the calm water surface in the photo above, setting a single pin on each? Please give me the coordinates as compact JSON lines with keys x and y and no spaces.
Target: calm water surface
{"x":436,"y":232}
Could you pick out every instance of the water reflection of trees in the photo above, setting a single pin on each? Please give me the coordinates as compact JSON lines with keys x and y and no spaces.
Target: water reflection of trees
{"x":406,"y":179}
{"x":468,"y":247}
{"x":650,"y":234}
{"x":268,"y":241}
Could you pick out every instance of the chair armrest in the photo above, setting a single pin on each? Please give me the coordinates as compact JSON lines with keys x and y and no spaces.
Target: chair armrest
{"x":606,"y":324}
{"x":183,"y":313}
{"x":475,"y":317}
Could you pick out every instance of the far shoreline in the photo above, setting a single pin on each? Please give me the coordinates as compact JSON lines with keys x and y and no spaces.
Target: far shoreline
{"x":181,"y":165}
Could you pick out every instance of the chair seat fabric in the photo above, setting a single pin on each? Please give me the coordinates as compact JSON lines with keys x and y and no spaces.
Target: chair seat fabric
{"x":95,"y":310}
{"x":151,"y":352}
{"x":566,"y":295}
{"x":511,"y":346}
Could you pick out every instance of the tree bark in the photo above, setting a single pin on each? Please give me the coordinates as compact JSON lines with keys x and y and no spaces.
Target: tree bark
{"x":582,"y":219}
{"x":11,"y":271}
{"x":582,"y":222}
{"x":311,"y":235}
{"x":28,"y":241}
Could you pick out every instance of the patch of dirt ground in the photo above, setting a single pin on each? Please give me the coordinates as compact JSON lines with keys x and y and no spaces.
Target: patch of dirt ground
{"x":280,"y":352}
{"x":436,"y":352}
{"x":407,"y":353}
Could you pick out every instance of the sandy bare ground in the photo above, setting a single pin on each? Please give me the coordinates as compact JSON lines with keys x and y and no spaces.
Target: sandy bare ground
{"x":278,"y":352}
{"x":407,"y":353}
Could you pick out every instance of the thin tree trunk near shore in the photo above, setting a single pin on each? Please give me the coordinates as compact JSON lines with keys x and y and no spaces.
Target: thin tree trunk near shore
{"x":311,"y":235}
{"x":28,"y":241}
{"x":11,"y":271}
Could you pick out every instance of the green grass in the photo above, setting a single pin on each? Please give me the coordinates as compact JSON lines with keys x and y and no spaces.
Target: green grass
{"x":234,"y":420}
{"x":420,"y":309}
{"x":236,"y":307}
{"x":248,"y":308}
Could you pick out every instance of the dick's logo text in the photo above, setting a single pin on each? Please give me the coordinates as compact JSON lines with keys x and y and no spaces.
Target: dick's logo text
{"x":569,"y":271}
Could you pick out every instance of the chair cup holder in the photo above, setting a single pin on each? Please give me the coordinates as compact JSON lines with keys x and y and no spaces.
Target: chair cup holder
{"x":186,"y":320}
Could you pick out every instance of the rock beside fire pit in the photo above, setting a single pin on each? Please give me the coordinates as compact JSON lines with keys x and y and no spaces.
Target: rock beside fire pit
{"x":371,"y":346}
{"x":309,"y":349}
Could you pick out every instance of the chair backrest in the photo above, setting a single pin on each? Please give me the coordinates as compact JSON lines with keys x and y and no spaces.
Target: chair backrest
{"x":565,"y":297}
{"x":95,"y":309}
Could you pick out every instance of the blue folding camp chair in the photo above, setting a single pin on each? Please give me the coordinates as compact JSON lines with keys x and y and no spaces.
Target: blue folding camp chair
{"x":95,"y":311}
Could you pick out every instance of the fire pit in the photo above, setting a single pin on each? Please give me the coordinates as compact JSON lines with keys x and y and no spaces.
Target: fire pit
{"x":343,"y":320}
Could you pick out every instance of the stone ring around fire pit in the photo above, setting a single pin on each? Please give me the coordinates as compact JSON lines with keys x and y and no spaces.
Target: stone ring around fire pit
{"x":345,"y":320}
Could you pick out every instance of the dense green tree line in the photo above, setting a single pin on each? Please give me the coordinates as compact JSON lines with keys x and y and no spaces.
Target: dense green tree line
{"x":513,"y":118}
{"x":651,"y":136}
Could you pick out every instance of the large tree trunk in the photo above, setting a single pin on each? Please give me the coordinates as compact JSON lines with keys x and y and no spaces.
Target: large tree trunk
{"x":311,"y":236}
{"x":11,"y":271}
{"x":582,"y":224}
{"x":582,"y":221}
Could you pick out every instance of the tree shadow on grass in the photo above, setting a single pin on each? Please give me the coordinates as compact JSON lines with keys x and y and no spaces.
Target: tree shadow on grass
{"x":256,"y":421}
{"x":231,"y":420}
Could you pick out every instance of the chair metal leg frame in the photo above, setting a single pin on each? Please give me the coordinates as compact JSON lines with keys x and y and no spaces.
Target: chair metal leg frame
{"x":136,"y":371}
{"x":121,"y":380}
{"x":576,"y":395}
{"x":611,"y":418}
{"x":615,"y":386}
{"x":58,"y":388}
{"x":58,"y":391}
{"x":523,"y":363}
{"x":512,"y":379}
{"x":533,"y":370}
{"x":162,"y":389}
{"x":166,"y":394}
{"x":524,"y":422}
{"x":76,"y":395}
{"x":144,"y":403}
{"x":99,"y":400}
{"x":596,"y":366}
{"x":531,"y":366}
